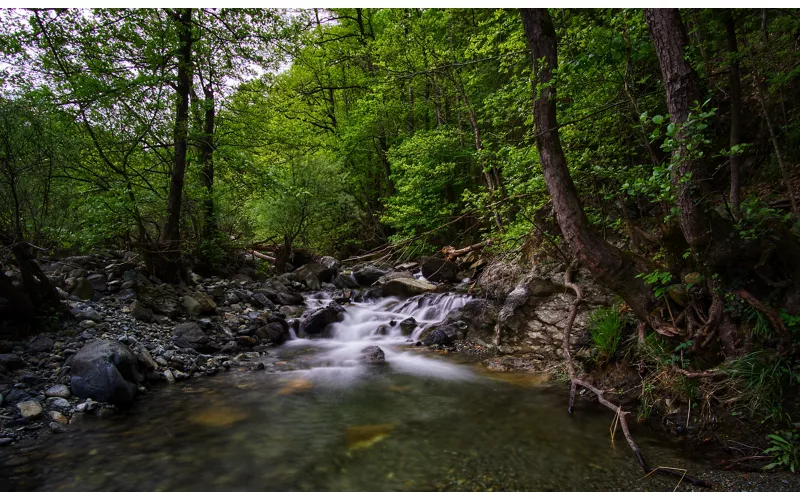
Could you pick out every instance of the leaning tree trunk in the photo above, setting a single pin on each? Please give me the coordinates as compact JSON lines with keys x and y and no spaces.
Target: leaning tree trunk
{"x":168,"y":266}
{"x":610,"y":265}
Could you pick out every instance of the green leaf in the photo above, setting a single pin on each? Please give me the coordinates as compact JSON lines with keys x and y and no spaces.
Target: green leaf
{"x":658,"y":119}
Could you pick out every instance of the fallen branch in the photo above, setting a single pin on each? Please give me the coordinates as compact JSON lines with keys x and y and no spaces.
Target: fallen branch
{"x":451,"y":253}
{"x":263,"y":257}
{"x":620,"y":413}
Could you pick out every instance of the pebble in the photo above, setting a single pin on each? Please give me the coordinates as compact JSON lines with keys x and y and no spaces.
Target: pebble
{"x":30,"y":409}
{"x":58,"y":391}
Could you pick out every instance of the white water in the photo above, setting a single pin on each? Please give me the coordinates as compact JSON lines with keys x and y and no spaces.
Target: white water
{"x":378,"y":324}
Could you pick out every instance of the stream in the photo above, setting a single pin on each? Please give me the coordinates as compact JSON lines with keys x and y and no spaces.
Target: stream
{"x":318,"y":420}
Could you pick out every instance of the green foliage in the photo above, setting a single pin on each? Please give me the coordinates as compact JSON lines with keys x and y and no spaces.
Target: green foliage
{"x":784,"y":450}
{"x":761,"y":379}
{"x":605,"y":328}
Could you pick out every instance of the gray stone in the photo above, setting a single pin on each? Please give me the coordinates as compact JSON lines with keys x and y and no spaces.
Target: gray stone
{"x":407,"y":326}
{"x":367,"y":274}
{"x":345,"y":281}
{"x":316,"y":321}
{"x":58,"y":402}
{"x":42,"y":343}
{"x":192,"y":306}
{"x":406,"y":287}
{"x":10,"y":362}
{"x":30,"y":409}
{"x":105,"y":370}
{"x":58,"y":391}
{"x":140,"y":312}
{"x":372,"y":355}
{"x":191,"y":336}
{"x":437,"y":269}
{"x":88,"y":313}
{"x":98,"y":281}
{"x":83,"y":289}
{"x":169,"y":377}
{"x":290,"y":299}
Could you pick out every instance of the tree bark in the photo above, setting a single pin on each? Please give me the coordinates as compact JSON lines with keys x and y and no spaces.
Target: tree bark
{"x":183,"y":19}
{"x":734,"y":82}
{"x":708,"y":235}
{"x":610,"y":265}
{"x":207,"y":159}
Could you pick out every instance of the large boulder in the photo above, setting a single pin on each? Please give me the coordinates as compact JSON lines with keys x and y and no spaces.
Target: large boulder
{"x":436,"y":269}
{"x":323,"y":271}
{"x":161,"y":299}
{"x":191,"y":336}
{"x":367,"y":274}
{"x":192,"y":306}
{"x":276,"y":332}
{"x":345,"y":281}
{"x":105,"y":370}
{"x":98,"y":281}
{"x":83,"y":289}
{"x":316,"y":321}
{"x":290,"y":299}
{"x":480,"y":316}
{"x":406,"y":287}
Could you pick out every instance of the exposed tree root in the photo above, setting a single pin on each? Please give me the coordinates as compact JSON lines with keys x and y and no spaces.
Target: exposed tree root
{"x":620,"y":413}
{"x":770,"y":313}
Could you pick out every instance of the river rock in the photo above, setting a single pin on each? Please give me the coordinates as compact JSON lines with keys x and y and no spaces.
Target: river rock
{"x":98,"y":281}
{"x":58,"y":391}
{"x":140,"y":312}
{"x":277,"y":333}
{"x":192,"y":306}
{"x":372,"y":355}
{"x":30,"y":409}
{"x":407,"y":326}
{"x":58,"y":402}
{"x":191,"y":336}
{"x":87,"y":313}
{"x":10,"y":362}
{"x":406,"y":287}
{"x":345,"y":281}
{"x":42,"y":343}
{"x":161,"y":299}
{"x":437,"y":269}
{"x":105,"y":370}
{"x":317,"y":271}
{"x":83,"y":289}
{"x":290,"y":299}
{"x":367,"y":274}
{"x":207,"y":304}
{"x":316,"y":321}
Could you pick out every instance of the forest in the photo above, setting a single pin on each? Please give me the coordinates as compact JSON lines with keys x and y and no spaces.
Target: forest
{"x":653,"y":149}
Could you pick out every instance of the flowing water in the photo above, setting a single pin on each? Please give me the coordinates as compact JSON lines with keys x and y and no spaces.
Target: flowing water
{"x":317,"y":420}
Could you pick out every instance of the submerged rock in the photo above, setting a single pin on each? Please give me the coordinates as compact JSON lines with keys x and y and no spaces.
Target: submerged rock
{"x":105,"y":370}
{"x":372,"y":355}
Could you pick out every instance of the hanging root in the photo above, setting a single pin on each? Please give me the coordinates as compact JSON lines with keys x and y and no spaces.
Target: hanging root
{"x":620,"y":413}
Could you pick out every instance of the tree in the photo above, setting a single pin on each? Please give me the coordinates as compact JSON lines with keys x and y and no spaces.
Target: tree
{"x":609,"y":264}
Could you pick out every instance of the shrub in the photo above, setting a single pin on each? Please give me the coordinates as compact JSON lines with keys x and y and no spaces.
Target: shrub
{"x":605,"y":329}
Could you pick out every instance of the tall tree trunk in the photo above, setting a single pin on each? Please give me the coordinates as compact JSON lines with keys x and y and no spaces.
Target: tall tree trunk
{"x":181,"y":131}
{"x":734,"y":82}
{"x":708,"y":235}
{"x":610,"y":265}
{"x":207,"y":159}
{"x":183,"y":18}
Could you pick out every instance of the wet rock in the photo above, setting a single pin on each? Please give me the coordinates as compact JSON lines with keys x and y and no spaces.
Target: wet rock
{"x":316,"y":321}
{"x":169,"y":377}
{"x":105,"y":370}
{"x":30,"y":409}
{"x":480,"y":316}
{"x":437,"y":269}
{"x":406,"y":287}
{"x":10,"y":362}
{"x":442,"y":336}
{"x":82,"y":289}
{"x":345,"y":281}
{"x":192,"y":306}
{"x":407,"y":326}
{"x":290,"y":299}
{"x":367,"y":274}
{"x":277,"y":333}
{"x":58,"y":391}
{"x":191,"y":336}
{"x":372,"y":355}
